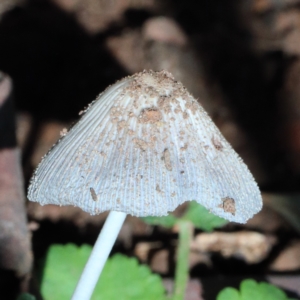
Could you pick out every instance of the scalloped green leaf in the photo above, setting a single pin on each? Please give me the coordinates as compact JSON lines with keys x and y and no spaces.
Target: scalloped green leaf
{"x":62,"y":269}
{"x":270,"y":292}
{"x":122,"y":277}
{"x":250,"y":289}
{"x":202,"y":218}
{"x":228,"y":293}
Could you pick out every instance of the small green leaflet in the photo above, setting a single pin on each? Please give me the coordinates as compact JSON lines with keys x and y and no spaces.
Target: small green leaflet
{"x":250,"y":290}
{"x":196,"y":213}
{"x":202,"y":218}
{"x":122,"y":278}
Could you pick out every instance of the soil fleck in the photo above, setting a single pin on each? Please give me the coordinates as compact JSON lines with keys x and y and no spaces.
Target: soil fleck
{"x":122,"y":124}
{"x":185,"y":115}
{"x":63,"y":132}
{"x":184,"y":147}
{"x":141,"y":144}
{"x":150,"y":115}
{"x":93,"y":194}
{"x":228,"y":205}
{"x":166,"y":157}
{"x":217,"y":143}
{"x":158,"y":188}
{"x":130,"y":132}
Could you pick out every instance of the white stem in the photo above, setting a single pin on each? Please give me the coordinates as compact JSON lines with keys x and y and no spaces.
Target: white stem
{"x":99,"y":255}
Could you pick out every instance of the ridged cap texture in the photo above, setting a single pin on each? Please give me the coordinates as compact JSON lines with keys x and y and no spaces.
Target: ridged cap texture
{"x":143,"y":147}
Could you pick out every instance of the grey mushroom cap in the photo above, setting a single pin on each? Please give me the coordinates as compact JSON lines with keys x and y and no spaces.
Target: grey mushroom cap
{"x":143,"y":147}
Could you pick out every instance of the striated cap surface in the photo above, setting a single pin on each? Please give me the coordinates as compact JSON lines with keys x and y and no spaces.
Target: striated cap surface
{"x":143,"y":147}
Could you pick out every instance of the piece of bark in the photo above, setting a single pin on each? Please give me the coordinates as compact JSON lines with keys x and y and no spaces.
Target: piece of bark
{"x":159,"y":262}
{"x":15,"y":253}
{"x":142,"y":250}
{"x":252,"y":247}
{"x":288,"y":260}
{"x":96,"y":16}
{"x":15,"y":248}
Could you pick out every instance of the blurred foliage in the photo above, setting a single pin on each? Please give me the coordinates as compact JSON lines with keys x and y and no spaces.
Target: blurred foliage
{"x":250,"y":290}
{"x":122,"y":278}
{"x":200,"y":217}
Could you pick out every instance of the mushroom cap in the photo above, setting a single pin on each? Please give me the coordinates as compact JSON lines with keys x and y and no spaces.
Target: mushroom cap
{"x":143,"y":147}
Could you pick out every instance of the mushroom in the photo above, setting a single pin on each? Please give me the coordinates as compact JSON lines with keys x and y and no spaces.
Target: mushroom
{"x":143,"y":147}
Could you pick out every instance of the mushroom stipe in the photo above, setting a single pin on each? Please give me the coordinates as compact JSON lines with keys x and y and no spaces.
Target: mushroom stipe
{"x":146,"y":146}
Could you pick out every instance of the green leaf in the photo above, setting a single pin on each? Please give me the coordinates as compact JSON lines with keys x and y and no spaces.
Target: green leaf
{"x":165,"y":221}
{"x":62,"y":269}
{"x":202,"y":218}
{"x":250,"y":290}
{"x":270,"y":292}
{"x":196,"y":213}
{"x":229,"y":293}
{"x":122,"y":277}
{"x":26,"y":296}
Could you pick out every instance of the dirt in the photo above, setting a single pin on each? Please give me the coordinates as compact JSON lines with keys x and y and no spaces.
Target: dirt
{"x":228,"y":205}
{"x":93,"y":194}
{"x":167,"y":159}
{"x":150,"y":115}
